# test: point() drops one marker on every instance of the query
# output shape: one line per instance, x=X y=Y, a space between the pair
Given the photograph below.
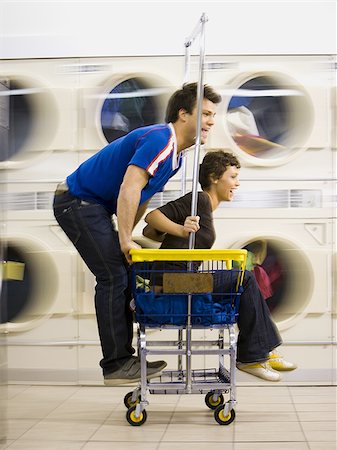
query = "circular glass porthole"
x=28 y=120
x=269 y=118
x=28 y=290
x=133 y=103
x=284 y=275
x=17 y=285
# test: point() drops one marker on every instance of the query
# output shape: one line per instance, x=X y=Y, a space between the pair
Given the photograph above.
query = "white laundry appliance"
x=289 y=230
x=118 y=94
x=38 y=110
x=39 y=294
x=334 y=116
x=276 y=113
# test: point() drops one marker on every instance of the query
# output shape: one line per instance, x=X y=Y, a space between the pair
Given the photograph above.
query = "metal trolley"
x=187 y=289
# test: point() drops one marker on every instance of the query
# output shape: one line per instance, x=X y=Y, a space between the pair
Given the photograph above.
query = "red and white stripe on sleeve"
x=162 y=156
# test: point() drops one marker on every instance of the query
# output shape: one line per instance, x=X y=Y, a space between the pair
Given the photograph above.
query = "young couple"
x=120 y=180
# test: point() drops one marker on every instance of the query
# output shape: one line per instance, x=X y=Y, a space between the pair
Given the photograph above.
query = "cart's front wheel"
x=211 y=403
x=221 y=418
x=128 y=402
x=133 y=419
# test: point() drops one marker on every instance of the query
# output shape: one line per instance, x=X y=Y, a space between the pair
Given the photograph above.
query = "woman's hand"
x=191 y=225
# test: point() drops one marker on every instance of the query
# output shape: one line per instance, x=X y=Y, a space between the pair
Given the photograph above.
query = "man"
x=121 y=179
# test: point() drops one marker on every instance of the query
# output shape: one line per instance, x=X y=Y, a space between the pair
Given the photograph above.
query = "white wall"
x=107 y=28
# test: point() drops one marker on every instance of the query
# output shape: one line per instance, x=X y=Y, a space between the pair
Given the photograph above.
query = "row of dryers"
x=276 y=113
x=50 y=319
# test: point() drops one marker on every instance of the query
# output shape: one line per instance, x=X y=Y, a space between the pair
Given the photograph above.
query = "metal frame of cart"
x=212 y=382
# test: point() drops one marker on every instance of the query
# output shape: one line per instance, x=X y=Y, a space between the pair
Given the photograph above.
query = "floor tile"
x=318 y=407
x=94 y=418
x=4 y=443
x=100 y=445
x=193 y=416
x=264 y=391
x=122 y=431
x=209 y=433
x=30 y=409
x=313 y=416
x=37 y=402
x=320 y=426
x=156 y=413
x=330 y=391
x=16 y=428
x=271 y=446
x=322 y=445
x=62 y=430
x=321 y=436
x=82 y=410
x=273 y=407
x=270 y=432
x=13 y=390
x=195 y=446
x=265 y=398
x=314 y=399
x=264 y=416
x=41 y=444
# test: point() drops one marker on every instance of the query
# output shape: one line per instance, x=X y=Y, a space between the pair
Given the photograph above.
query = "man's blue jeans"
x=90 y=228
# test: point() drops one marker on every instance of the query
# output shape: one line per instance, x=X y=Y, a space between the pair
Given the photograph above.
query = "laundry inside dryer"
x=283 y=276
x=131 y=104
x=29 y=284
x=269 y=116
x=17 y=285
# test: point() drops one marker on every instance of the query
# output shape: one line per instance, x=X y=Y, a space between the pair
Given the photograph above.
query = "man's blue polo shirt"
x=152 y=148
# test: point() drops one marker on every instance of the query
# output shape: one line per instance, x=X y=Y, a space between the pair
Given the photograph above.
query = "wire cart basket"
x=187 y=289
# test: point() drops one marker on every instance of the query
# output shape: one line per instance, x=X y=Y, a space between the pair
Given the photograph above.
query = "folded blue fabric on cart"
x=171 y=309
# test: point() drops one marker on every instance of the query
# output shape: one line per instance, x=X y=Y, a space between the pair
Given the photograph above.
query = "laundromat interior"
x=60 y=104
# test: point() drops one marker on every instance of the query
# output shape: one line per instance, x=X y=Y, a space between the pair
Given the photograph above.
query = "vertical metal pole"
x=183 y=176
x=187 y=61
x=186 y=76
x=183 y=184
x=194 y=202
x=200 y=97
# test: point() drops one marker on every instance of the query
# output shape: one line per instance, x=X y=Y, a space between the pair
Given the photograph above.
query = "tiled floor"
x=93 y=418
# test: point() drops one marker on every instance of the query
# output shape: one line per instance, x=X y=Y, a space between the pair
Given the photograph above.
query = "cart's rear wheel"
x=133 y=419
x=128 y=402
x=219 y=415
x=211 y=403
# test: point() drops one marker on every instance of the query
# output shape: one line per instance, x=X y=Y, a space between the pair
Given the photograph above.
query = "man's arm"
x=135 y=179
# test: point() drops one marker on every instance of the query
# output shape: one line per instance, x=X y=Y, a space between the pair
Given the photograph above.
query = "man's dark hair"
x=186 y=98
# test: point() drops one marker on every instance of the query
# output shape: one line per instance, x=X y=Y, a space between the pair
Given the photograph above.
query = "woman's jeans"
x=258 y=334
x=90 y=228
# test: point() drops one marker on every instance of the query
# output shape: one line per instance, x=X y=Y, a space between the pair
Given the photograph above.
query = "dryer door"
x=28 y=119
x=121 y=104
x=31 y=280
x=269 y=118
x=130 y=104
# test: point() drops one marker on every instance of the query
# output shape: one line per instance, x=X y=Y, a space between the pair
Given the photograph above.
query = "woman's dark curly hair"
x=214 y=165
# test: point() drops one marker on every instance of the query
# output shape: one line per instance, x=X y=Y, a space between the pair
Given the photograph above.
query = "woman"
x=172 y=223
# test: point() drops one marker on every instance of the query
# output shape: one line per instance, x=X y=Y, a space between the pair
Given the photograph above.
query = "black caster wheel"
x=132 y=419
x=219 y=415
x=128 y=400
x=211 y=403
